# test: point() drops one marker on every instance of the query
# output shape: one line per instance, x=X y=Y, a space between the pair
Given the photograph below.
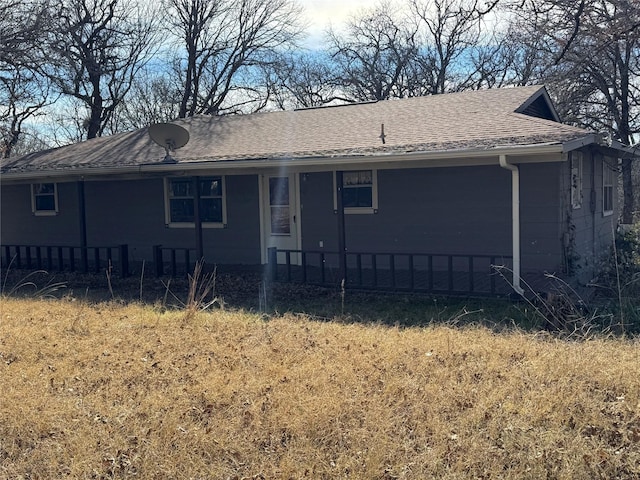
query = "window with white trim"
x=576 y=179
x=608 y=182
x=44 y=198
x=180 y=201
x=359 y=191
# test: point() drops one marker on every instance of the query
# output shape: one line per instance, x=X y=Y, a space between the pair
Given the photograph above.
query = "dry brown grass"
x=108 y=391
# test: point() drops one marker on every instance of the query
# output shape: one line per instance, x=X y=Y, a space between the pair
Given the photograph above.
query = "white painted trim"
x=264 y=211
x=515 y=221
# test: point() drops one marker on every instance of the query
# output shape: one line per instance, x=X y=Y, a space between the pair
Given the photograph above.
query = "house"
x=413 y=192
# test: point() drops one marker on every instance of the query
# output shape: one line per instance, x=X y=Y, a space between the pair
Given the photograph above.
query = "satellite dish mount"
x=169 y=136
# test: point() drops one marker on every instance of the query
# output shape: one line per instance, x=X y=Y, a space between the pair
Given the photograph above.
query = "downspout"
x=515 y=221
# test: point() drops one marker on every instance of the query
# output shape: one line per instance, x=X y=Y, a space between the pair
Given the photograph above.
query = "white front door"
x=281 y=215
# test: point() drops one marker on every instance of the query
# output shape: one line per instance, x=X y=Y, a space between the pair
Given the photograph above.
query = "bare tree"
x=22 y=22
x=449 y=30
x=23 y=90
x=97 y=49
x=373 y=57
x=153 y=98
x=223 y=48
x=304 y=80
x=595 y=45
x=24 y=94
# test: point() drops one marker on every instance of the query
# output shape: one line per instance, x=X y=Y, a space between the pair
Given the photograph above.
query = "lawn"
x=123 y=389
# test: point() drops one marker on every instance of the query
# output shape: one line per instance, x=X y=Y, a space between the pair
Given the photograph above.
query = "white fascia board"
x=464 y=157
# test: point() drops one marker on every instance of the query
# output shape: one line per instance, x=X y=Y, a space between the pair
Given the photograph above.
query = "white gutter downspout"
x=515 y=221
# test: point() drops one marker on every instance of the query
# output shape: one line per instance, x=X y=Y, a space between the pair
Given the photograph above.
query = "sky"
x=322 y=13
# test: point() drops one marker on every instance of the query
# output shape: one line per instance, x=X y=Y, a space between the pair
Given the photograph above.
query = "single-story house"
x=413 y=192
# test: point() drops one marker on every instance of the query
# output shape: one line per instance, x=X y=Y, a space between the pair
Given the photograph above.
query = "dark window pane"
x=181 y=210
x=280 y=224
x=181 y=188
x=350 y=197
x=211 y=187
x=45 y=202
x=357 y=197
x=44 y=188
x=279 y=191
x=211 y=210
x=608 y=199
x=364 y=197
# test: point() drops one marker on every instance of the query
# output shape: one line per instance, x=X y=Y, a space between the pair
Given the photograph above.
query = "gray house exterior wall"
x=540 y=213
x=431 y=210
x=132 y=212
x=453 y=210
x=461 y=210
x=588 y=231
x=21 y=226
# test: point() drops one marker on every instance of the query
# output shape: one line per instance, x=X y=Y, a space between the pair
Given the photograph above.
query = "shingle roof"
x=481 y=119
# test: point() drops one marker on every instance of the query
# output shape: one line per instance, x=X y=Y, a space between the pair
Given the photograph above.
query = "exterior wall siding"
x=465 y=210
x=133 y=213
x=21 y=226
x=590 y=232
x=457 y=210
x=541 y=231
x=461 y=210
x=435 y=210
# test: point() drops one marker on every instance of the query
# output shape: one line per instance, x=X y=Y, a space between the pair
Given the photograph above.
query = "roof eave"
x=471 y=154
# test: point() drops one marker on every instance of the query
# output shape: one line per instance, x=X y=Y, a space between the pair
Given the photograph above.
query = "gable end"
x=539 y=106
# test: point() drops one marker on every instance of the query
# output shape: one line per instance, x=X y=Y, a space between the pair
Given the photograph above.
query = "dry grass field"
x=108 y=390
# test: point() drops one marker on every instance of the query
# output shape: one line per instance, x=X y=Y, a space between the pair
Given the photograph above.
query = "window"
x=279 y=205
x=359 y=192
x=608 y=182
x=576 y=179
x=44 y=199
x=180 y=201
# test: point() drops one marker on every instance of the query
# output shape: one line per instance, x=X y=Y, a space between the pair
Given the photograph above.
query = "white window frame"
x=608 y=184
x=167 y=204
x=576 y=179
x=374 y=194
x=34 y=194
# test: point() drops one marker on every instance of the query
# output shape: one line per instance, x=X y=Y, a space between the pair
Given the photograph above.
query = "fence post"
x=124 y=261
x=157 y=259
x=84 y=258
x=272 y=263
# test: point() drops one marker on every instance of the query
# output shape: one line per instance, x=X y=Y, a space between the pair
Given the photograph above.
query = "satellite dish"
x=170 y=136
